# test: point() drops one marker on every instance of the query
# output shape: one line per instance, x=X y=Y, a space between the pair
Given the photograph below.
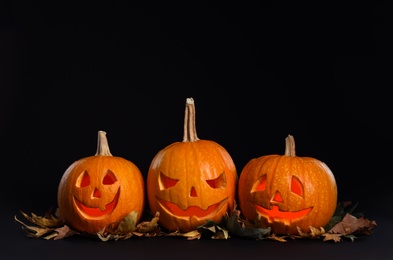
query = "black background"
x=257 y=72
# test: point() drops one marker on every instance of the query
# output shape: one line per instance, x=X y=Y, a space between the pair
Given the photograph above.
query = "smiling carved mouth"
x=191 y=210
x=275 y=214
x=97 y=212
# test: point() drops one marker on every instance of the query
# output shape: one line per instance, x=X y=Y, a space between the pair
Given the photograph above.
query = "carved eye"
x=260 y=184
x=219 y=182
x=166 y=182
x=83 y=180
x=109 y=178
x=296 y=186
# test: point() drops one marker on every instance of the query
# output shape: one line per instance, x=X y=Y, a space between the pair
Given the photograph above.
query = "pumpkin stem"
x=290 y=146
x=190 y=134
x=102 y=145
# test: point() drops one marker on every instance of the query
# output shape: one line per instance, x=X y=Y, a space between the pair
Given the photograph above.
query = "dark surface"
x=257 y=72
x=18 y=246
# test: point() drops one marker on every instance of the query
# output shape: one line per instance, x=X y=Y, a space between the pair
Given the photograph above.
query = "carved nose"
x=96 y=193
x=193 y=192
x=277 y=197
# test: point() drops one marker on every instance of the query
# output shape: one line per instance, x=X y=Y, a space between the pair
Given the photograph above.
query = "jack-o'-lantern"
x=286 y=192
x=192 y=181
x=100 y=190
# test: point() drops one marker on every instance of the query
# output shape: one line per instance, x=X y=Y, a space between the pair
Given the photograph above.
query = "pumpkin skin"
x=97 y=191
x=286 y=192
x=192 y=181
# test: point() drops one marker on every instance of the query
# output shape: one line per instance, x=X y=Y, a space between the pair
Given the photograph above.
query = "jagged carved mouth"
x=275 y=214
x=191 y=210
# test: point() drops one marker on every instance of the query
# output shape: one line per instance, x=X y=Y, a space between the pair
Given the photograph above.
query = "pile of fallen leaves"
x=344 y=224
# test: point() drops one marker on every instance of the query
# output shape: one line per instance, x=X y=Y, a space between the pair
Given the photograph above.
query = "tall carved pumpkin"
x=100 y=190
x=192 y=181
x=286 y=191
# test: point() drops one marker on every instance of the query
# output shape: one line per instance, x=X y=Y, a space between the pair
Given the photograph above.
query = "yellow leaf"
x=193 y=233
x=128 y=224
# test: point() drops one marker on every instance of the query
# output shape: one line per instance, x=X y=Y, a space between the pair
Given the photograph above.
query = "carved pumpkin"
x=100 y=190
x=192 y=181
x=286 y=191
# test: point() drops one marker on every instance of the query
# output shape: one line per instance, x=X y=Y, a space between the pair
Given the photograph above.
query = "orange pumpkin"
x=286 y=191
x=192 y=181
x=100 y=190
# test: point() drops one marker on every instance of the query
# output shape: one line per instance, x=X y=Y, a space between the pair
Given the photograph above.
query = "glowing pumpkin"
x=286 y=191
x=192 y=181
x=100 y=190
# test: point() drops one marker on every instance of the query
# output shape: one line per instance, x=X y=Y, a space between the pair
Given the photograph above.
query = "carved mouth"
x=191 y=210
x=97 y=212
x=275 y=214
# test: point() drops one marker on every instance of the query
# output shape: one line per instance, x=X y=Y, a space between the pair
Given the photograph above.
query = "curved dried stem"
x=290 y=146
x=102 y=145
x=190 y=134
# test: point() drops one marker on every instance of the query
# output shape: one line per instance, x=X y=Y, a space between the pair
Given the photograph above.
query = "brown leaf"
x=191 y=235
x=63 y=232
x=314 y=232
x=147 y=226
x=33 y=231
x=277 y=238
x=352 y=225
x=335 y=237
x=48 y=221
x=128 y=228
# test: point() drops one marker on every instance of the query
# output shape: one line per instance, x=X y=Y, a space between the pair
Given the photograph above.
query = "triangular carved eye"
x=109 y=178
x=296 y=186
x=218 y=183
x=83 y=180
x=260 y=184
x=167 y=182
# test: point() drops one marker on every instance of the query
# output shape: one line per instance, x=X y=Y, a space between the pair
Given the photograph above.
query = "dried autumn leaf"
x=147 y=226
x=214 y=230
x=221 y=233
x=128 y=223
x=242 y=228
x=352 y=225
x=192 y=235
x=47 y=227
x=63 y=232
x=335 y=237
x=128 y=227
x=52 y=235
x=277 y=238
x=210 y=228
x=314 y=232
x=343 y=208
x=33 y=231
x=48 y=221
